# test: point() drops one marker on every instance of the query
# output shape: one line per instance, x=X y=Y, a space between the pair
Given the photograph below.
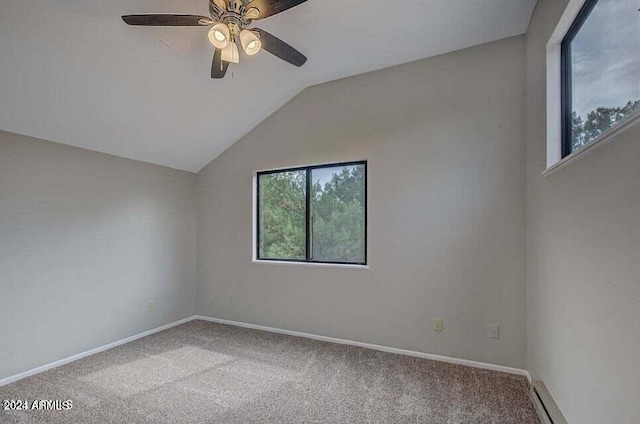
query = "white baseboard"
x=55 y=364
x=440 y=358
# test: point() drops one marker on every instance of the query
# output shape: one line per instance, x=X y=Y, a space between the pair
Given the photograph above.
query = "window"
x=313 y=214
x=600 y=66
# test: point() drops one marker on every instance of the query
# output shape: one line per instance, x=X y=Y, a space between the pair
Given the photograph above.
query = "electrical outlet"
x=150 y=306
x=494 y=332
x=232 y=300
x=437 y=324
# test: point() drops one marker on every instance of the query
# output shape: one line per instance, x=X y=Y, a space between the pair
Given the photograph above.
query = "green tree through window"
x=597 y=122
x=283 y=215
x=338 y=215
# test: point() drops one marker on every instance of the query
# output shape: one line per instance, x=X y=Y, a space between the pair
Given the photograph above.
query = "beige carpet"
x=202 y=372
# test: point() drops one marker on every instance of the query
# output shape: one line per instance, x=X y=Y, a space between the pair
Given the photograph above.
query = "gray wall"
x=86 y=239
x=583 y=262
x=444 y=141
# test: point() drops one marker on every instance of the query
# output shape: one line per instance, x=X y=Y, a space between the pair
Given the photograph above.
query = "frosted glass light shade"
x=219 y=36
x=250 y=42
x=231 y=53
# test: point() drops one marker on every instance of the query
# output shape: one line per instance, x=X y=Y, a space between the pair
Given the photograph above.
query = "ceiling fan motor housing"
x=234 y=15
x=236 y=6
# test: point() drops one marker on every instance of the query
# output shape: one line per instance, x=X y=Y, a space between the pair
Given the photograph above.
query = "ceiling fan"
x=228 y=24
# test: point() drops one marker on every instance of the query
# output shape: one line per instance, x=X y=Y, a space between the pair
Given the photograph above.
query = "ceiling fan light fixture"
x=219 y=36
x=250 y=42
x=231 y=53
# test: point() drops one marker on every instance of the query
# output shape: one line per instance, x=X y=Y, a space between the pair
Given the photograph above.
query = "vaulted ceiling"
x=72 y=72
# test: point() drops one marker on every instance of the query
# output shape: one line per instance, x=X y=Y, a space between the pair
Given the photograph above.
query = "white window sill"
x=311 y=264
x=604 y=138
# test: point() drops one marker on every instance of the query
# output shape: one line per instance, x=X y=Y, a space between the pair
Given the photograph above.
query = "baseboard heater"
x=545 y=406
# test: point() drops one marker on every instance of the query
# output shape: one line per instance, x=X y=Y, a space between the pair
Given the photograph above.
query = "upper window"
x=313 y=214
x=600 y=71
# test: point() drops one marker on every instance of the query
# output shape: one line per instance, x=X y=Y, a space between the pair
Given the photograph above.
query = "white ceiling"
x=72 y=72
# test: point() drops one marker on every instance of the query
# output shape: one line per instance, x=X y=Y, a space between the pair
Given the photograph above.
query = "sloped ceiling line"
x=74 y=73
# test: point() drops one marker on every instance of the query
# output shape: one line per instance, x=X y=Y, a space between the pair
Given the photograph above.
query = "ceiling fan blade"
x=279 y=48
x=219 y=66
x=167 y=20
x=272 y=7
